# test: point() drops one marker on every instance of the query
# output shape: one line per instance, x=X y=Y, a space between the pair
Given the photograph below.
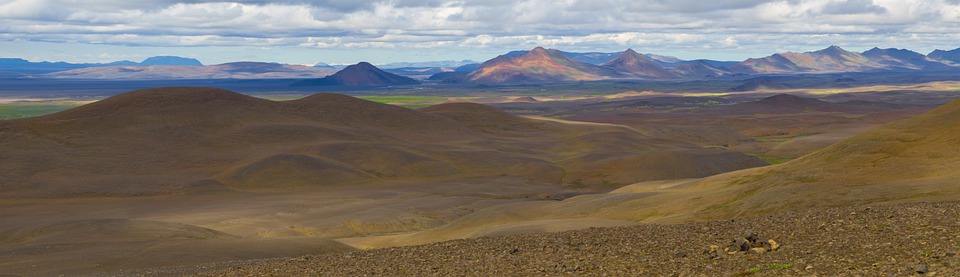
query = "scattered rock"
x=750 y=242
x=774 y=246
x=922 y=269
x=743 y=244
x=713 y=252
x=751 y=237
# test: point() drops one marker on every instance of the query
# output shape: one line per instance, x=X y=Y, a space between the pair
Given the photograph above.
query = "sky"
x=349 y=31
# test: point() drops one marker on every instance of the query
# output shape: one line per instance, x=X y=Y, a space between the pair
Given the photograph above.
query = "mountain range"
x=15 y=65
x=631 y=64
x=237 y=70
x=538 y=65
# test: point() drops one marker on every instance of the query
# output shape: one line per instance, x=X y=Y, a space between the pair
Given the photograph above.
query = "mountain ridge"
x=360 y=74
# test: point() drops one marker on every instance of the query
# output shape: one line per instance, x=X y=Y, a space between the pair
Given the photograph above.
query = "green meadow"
x=14 y=111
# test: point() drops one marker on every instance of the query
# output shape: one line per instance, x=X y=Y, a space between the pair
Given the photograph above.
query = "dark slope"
x=361 y=74
x=183 y=139
x=952 y=56
x=902 y=59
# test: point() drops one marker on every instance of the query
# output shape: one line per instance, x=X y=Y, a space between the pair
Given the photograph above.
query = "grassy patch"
x=781 y=138
x=15 y=111
x=400 y=99
x=415 y=106
x=773 y=160
x=773 y=139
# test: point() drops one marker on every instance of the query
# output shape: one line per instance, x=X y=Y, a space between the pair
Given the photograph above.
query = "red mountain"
x=538 y=65
x=633 y=63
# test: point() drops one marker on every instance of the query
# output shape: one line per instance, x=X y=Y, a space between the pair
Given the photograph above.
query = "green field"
x=14 y=111
x=408 y=101
x=400 y=99
x=773 y=160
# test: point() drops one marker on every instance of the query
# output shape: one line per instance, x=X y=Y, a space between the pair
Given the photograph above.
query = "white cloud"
x=687 y=25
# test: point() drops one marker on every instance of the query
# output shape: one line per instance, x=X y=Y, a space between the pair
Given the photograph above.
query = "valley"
x=219 y=176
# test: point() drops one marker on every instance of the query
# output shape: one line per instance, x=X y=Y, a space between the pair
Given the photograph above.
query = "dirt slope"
x=182 y=140
x=897 y=240
x=905 y=161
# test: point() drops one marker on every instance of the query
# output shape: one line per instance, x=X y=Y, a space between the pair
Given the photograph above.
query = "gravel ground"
x=892 y=240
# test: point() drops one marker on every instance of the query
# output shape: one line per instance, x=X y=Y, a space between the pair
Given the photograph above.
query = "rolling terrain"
x=190 y=176
x=186 y=137
x=216 y=174
x=910 y=160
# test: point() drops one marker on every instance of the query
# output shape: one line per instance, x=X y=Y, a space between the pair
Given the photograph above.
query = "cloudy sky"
x=347 y=31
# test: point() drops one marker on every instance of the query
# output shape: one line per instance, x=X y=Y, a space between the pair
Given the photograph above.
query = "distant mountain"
x=237 y=70
x=699 y=69
x=831 y=59
x=946 y=56
x=467 y=68
x=667 y=62
x=664 y=59
x=361 y=74
x=902 y=59
x=418 y=72
x=171 y=60
x=713 y=63
x=322 y=65
x=538 y=65
x=14 y=65
x=639 y=65
x=449 y=77
x=595 y=58
x=599 y=58
x=450 y=64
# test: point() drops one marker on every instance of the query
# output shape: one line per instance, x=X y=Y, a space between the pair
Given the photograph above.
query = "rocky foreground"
x=888 y=240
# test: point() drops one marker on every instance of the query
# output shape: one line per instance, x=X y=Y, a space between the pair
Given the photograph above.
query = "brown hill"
x=361 y=74
x=78 y=247
x=905 y=161
x=791 y=104
x=639 y=65
x=538 y=65
x=177 y=140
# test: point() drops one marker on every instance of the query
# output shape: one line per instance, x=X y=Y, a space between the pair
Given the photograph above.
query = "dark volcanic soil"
x=895 y=240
